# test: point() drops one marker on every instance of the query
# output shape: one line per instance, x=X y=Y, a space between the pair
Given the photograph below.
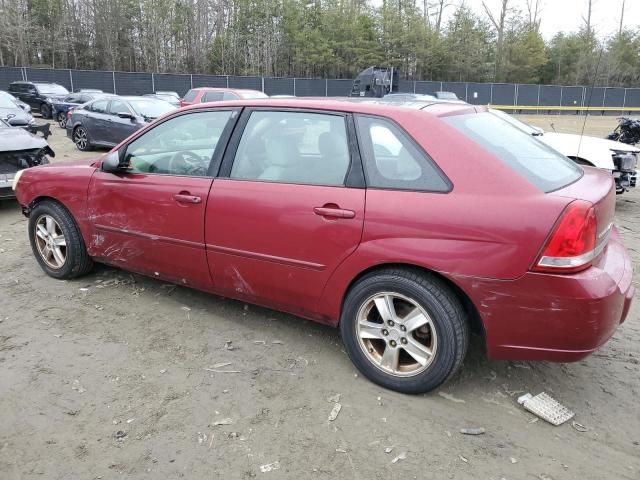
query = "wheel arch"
x=475 y=321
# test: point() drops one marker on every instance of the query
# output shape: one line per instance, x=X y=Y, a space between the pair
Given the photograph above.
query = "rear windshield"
x=190 y=96
x=539 y=164
x=52 y=89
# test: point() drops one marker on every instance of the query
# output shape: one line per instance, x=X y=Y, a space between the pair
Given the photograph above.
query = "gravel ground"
x=119 y=376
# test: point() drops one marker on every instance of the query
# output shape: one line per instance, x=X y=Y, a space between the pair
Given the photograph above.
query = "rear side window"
x=545 y=168
x=190 y=96
x=99 y=106
x=212 y=97
x=118 y=106
x=393 y=161
x=229 y=96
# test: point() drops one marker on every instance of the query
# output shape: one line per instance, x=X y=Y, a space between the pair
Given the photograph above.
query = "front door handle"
x=334 y=212
x=186 y=198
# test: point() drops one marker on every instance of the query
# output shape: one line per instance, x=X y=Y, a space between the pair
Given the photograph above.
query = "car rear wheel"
x=62 y=120
x=404 y=330
x=56 y=241
x=81 y=139
x=45 y=110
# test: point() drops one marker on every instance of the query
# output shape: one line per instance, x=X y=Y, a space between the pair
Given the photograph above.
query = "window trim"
x=354 y=177
x=218 y=152
x=425 y=156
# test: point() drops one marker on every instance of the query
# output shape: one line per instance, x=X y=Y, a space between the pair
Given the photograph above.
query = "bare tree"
x=621 y=18
x=534 y=9
x=499 y=24
x=587 y=19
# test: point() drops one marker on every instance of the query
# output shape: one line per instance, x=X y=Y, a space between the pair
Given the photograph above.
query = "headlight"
x=17 y=176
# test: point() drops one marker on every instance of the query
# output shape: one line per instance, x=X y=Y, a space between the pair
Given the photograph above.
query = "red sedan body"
x=298 y=247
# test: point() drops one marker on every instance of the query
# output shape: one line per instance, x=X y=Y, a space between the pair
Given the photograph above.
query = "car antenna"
x=593 y=85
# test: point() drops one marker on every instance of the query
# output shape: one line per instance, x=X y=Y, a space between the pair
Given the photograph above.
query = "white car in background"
x=618 y=158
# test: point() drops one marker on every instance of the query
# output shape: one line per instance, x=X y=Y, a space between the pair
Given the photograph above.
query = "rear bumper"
x=560 y=318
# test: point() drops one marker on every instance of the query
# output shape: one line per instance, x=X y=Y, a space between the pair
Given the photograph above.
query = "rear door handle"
x=334 y=212
x=186 y=198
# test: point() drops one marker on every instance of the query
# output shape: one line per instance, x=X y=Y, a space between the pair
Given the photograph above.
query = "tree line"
x=426 y=39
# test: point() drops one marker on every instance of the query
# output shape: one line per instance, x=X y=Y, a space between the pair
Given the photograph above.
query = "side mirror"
x=111 y=162
x=126 y=115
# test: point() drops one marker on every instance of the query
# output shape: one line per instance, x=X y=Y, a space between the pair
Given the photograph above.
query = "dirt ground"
x=119 y=376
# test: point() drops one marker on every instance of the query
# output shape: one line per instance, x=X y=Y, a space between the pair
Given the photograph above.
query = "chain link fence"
x=514 y=97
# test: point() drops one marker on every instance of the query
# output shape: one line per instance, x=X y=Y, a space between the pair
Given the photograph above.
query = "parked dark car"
x=38 y=95
x=11 y=112
x=206 y=94
x=107 y=121
x=20 y=103
x=60 y=108
x=19 y=149
x=167 y=97
x=407 y=228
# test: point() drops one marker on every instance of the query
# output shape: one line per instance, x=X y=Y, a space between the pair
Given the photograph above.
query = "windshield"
x=7 y=102
x=150 y=107
x=253 y=94
x=515 y=122
x=539 y=164
x=52 y=89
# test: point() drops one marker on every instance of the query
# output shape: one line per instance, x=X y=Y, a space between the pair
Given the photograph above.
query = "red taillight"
x=572 y=244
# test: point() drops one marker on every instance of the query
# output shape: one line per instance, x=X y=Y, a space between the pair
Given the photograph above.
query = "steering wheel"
x=187 y=163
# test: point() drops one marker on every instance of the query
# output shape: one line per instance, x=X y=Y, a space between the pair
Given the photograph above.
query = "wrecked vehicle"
x=19 y=149
x=357 y=215
x=13 y=114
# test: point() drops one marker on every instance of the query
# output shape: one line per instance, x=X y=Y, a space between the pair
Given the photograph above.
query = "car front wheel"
x=81 y=139
x=56 y=241
x=404 y=329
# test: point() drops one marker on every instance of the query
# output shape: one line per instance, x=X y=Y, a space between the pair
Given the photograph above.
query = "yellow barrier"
x=565 y=108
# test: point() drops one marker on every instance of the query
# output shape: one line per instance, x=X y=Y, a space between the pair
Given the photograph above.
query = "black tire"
x=62 y=120
x=77 y=261
x=81 y=139
x=448 y=317
x=45 y=110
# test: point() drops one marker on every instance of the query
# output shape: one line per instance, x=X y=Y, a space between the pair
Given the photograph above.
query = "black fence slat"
x=61 y=77
x=310 y=87
x=130 y=83
x=503 y=94
x=278 y=86
x=250 y=83
x=479 y=93
x=339 y=87
x=594 y=97
x=550 y=95
x=172 y=82
x=405 y=86
x=8 y=75
x=613 y=97
x=459 y=88
x=632 y=97
x=427 y=87
x=218 y=81
x=527 y=94
x=92 y=79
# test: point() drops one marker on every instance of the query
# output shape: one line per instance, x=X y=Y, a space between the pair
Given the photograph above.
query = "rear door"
x=150 y=218
x=95 y=121
x=287 y=208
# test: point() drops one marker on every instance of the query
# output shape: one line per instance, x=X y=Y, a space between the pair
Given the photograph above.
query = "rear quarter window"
x=541 y=165
x=190 y=96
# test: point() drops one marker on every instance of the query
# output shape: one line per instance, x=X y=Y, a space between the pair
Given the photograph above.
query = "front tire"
x=404 y=329
x=81 y=139
x=56 y=241
x=45 y=110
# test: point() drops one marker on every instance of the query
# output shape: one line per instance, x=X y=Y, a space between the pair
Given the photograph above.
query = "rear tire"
x=62 y=120
x=395 y=354
x=52 y=227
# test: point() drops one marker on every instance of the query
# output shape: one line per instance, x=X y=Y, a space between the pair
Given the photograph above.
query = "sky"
x=566 y=15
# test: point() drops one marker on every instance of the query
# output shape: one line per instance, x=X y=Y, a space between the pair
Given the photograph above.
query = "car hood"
x=20 y=117
x=16 y=139
x=596 y=151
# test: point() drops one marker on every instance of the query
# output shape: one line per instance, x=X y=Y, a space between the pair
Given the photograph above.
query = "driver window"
x=100 y=106
x=183 y=145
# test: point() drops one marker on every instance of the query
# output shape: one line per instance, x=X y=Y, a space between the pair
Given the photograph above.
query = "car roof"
x=223 y=89
x=373 y=106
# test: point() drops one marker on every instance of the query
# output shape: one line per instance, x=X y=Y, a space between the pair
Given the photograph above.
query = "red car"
x=407 y=227
x=207 y=94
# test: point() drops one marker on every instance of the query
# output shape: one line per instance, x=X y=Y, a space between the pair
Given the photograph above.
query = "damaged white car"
x=19 y=149
x=618 y=158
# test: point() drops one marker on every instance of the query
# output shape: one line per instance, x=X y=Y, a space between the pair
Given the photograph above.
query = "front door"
x=150 y=218
x=287 y=212
x=119 y=128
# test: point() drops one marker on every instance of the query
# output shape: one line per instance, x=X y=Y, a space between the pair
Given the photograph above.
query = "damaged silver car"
x=19 y=149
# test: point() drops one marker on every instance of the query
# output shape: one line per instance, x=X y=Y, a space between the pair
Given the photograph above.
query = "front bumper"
x=555 y=317
x=5 y=185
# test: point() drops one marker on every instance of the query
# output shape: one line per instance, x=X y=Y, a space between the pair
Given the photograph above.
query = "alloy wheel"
x=80 y=138
x=50 y=241
x=396 y=334
x=62 y=120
